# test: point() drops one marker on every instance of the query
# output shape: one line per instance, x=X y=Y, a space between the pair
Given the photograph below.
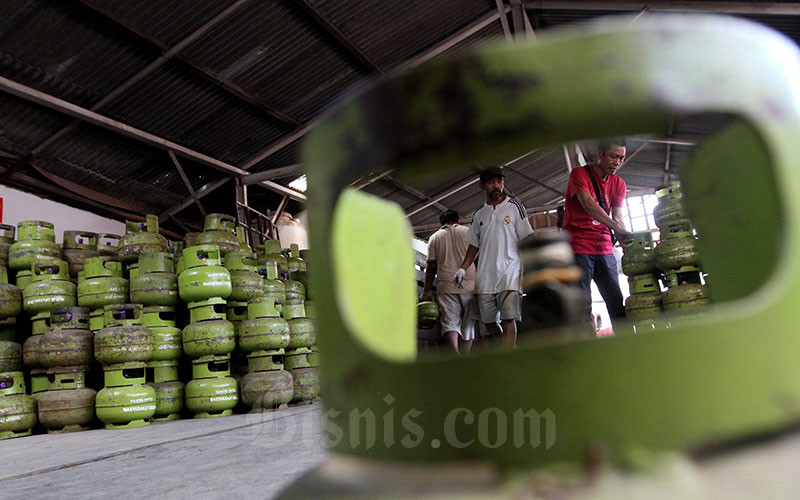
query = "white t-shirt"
x=497 y=232
x=447 y=247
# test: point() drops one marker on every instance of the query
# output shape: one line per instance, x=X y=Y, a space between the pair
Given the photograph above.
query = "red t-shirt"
x=588 y=235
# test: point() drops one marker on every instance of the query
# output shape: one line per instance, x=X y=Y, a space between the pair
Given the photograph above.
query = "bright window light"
x=299 y=184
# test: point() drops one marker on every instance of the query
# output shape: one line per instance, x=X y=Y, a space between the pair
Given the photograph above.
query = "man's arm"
x=430 y=274
x=624 y=238
x=598 y=214
x=469 y=258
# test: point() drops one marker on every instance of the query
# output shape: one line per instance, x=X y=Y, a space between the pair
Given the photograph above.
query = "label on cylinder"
x=223 y=398
x=139 y=408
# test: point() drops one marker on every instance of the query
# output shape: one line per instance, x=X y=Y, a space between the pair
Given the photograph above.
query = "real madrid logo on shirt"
x=507 y=219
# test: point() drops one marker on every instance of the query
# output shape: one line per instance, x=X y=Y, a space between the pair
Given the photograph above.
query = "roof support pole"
x=280 y=209
x=186 y=182
x=501 y=9
x=421 y=58
x=416 y=192
x=336 y=33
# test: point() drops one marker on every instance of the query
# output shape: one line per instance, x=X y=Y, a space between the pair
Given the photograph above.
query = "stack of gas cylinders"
x=122 y=331
x=666 y=277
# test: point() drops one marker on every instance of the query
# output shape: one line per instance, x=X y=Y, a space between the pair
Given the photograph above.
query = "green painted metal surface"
x=731 y=374
x=203 y=276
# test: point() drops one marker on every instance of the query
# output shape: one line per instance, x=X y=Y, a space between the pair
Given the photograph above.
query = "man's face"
x=611 y=160
x=493 y=188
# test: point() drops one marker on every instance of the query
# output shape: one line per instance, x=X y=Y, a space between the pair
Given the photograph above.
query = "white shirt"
x=447 y=247
x=497 y=232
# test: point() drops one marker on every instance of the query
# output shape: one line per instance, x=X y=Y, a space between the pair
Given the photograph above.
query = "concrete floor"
x=243 y=456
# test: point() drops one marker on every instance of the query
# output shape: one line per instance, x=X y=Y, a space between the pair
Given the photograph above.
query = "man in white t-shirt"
x=496 y=230
x=446 y=250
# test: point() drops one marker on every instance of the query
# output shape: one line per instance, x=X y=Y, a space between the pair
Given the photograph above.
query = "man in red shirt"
x=590 y=221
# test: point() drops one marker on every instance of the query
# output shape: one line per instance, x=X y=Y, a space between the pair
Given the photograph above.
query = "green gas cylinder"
x=17 y=410
x=6 y=240
x=190 y=240
x=10 y=356
x=427 y=314
x=294 y=290
x=678 y=246
x=209 y=332
x=670 y=205
x=242 y=238
x=643 y=306
x=36 y=241
x=686 y=298
x=270 y=252
x=266 y=390
x=8 y=329
x=219 y=230
x=301 y=329
x=108 y=244
x=156 y=282
x=264 y=329
x=141 y=237
x=40 y=381
x=169 y=390
x=96 y=319
x=23 y=278
x=203 y=276
x=212 y=392
x=294 y=263
x=236 y=312
x=68 y=406
x=161 y=321
x=125 y=402
x=264 y=361
x=245 y=281
x=311 y=309
x=123 y=339
x=296 y=358
x=40 y=325
x=10 y=297
x=69 y=342
x=273 y=287
x=176 y=248
x=78 y=245
x=639 y=257
x=313 y=356
x=101 y=283
x=50 y=287
x=305 y=383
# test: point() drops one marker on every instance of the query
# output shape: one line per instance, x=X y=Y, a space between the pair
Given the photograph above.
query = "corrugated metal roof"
x=66 y=52
x=189 y=110
x=24 y=126
x=213 y=97
x=391 y=32
x=269 y=48
x=168 y=21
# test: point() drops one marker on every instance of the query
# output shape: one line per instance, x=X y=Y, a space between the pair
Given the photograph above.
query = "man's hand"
x=425 y=297
x=459 y=277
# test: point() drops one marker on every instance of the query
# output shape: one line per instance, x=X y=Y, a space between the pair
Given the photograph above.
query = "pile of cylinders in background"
x=673 y=263
x=121 y=331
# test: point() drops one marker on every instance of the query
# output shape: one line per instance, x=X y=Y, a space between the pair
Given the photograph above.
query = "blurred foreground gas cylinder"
x=553 y=297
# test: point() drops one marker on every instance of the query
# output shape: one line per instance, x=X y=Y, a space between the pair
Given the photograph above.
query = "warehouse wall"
x=20 y=206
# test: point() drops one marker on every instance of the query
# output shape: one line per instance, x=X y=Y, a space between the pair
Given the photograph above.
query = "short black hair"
x=490 y=173
x=448 y=216
x=606 y=143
